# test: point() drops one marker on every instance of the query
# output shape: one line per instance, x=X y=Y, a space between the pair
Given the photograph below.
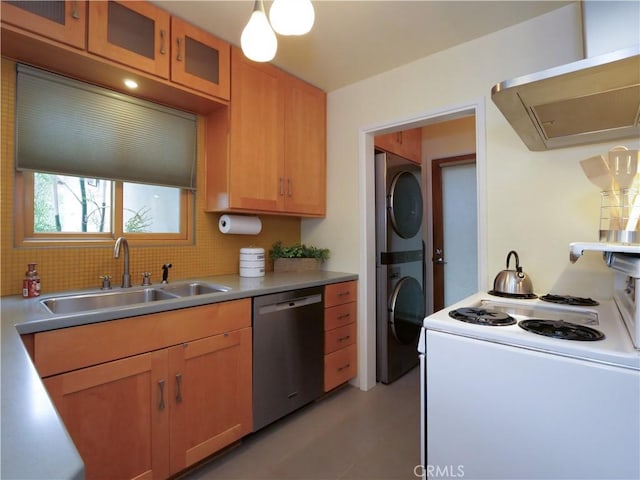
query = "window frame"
x=26 y=237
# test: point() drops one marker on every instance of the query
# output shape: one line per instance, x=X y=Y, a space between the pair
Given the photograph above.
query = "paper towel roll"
x=240 y=224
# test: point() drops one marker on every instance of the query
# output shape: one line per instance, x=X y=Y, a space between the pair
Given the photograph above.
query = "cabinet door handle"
x=161 y=387
x=281 y=185
x=179 y=54
x=289 y=186
x=163 y=38
x=179 y=386
x=75 y=13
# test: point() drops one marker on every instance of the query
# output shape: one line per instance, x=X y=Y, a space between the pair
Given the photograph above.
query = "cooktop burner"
x=482 y=316
x=525 y=296
x=561 y=330
x=569 y=300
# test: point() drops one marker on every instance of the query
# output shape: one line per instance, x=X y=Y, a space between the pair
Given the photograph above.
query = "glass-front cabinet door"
x=132 y=33
x=199 y=60
x=62 y=21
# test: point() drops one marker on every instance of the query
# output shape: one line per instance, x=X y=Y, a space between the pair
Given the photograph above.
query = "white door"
x=455 y=242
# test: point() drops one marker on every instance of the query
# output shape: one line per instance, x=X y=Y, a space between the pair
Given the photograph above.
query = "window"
x=63 y=204
x=67 y=209
x=93 y=165
x=150 y=209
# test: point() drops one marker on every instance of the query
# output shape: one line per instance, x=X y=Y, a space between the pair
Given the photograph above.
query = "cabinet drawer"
x=339 y=293
x=339 y=367
x=339 y=338
x=66 y=349
x=340 y=315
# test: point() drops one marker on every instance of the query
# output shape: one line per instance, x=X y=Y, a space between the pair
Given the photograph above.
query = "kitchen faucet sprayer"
x=165 y=272
x=126 y=278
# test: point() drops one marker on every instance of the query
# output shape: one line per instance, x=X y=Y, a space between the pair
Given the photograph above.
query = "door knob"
x=438 y=257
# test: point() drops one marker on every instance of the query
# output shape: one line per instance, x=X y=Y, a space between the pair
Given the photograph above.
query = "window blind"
x=69 y=127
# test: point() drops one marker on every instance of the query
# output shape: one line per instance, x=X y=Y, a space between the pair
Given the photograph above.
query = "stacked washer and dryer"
x=400 y=266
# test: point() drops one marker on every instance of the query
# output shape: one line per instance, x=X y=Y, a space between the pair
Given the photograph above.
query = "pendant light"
x=292 y=17
x=258 y=41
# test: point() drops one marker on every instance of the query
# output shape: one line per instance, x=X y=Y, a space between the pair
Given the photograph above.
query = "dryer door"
x=405 y=204
x=406 y=310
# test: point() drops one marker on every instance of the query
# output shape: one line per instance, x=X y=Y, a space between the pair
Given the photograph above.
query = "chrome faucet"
x=126 y=278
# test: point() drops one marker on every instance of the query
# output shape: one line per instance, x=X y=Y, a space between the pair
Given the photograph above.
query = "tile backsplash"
x=68 y=268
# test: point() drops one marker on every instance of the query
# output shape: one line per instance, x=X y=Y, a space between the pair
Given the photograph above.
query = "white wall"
x=536 y=202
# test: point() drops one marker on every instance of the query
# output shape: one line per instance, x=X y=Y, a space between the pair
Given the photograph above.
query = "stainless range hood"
x=589 y=101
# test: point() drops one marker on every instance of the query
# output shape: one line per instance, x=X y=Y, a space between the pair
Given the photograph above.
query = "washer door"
x=405 y=204
x=406 y=310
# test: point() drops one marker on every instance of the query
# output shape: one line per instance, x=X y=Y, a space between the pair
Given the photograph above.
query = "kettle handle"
x=514 y=253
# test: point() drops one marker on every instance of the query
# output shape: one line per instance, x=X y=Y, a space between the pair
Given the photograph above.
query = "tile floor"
x=348 y=435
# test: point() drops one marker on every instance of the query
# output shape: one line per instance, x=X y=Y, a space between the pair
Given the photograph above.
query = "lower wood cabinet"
x=152 y=414
x=117 y=414
x=211 y=395
x=340 y=367
x=340 y=334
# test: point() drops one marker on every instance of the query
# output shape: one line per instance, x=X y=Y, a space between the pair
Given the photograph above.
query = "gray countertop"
x=35 y=444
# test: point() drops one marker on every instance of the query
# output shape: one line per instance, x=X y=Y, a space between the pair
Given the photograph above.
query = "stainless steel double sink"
x=66 y=304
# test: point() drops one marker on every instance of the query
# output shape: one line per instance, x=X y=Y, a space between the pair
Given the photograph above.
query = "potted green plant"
x=297 y=258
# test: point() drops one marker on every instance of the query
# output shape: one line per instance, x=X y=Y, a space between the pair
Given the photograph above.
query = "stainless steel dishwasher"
x=288 y=349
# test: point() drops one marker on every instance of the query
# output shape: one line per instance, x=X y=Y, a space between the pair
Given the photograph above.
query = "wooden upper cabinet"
x=62 y=21
x=305 y=148
x=199 y=60
x=256 y=169
x=136 y=34
x=387 y=142
x=276 y=161
x=407 y=144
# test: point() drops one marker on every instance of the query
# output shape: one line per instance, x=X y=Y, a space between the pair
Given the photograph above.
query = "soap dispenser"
x=31 y=282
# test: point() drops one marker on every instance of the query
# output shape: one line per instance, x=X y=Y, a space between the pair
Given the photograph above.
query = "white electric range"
x=506 y=401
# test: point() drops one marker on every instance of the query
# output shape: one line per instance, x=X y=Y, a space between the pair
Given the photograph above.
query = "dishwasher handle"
x=290 y=304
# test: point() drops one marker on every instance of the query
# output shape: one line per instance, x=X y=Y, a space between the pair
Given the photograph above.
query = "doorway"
x=366 y=378
x=455 y=239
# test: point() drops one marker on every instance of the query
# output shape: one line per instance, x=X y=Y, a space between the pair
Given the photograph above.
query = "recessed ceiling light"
x=131 y=83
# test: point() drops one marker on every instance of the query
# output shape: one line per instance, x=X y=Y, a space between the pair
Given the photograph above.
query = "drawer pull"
x=163 y=35
x=179 y=55
x=179 y=387
x=346 y=337
x=344 y=367
x=344 y=294
x=342 y=317
x=161 y=386
x=75 y=14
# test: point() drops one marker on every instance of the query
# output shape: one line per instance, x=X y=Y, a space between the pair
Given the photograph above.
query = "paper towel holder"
x=240 y=224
